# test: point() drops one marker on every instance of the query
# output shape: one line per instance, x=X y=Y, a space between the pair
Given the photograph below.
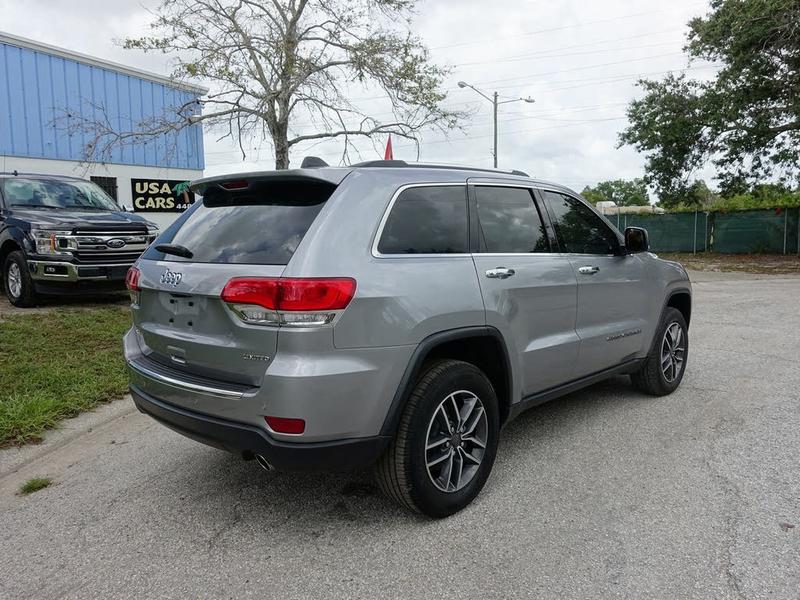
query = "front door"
x=612 y=298
x=530 y=292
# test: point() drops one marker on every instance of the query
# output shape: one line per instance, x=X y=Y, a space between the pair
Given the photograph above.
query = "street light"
x=495 y=103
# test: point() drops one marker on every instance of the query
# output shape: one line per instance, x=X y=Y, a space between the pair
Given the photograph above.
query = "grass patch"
x=34 y=485
x=57 y=364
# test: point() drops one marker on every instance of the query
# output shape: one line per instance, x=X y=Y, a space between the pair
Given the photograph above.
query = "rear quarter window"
x=427 y=220
x=263 y=224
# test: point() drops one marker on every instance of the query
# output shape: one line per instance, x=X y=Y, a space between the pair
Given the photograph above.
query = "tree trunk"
x=280 y=136
x=281 y=154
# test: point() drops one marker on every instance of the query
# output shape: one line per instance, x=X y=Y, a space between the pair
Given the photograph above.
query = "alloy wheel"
x=673 y=352
x=456 y=441
x=14 y=280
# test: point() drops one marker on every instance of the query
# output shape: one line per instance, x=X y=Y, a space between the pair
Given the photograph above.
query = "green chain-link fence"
x=748 y=231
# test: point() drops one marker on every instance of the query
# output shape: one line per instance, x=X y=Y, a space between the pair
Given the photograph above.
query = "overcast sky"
x=579 y=61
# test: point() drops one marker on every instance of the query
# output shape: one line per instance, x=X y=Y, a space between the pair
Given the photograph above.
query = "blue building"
x=42 y=87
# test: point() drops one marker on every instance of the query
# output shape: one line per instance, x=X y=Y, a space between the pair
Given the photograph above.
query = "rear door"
x=529 y=291
x=612 y=298
x=250 y=230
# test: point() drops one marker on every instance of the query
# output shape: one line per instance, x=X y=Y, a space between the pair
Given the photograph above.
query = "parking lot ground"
x=603 y=494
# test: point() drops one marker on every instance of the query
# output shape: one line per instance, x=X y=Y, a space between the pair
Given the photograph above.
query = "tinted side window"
x=579 y=230
x=509 y=221
x=427 y=220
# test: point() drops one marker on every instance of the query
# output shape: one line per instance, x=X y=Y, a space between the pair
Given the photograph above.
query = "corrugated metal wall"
x=36 y=88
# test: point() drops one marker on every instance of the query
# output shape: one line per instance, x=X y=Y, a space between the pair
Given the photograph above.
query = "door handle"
x=500 y=273
x=588 y=270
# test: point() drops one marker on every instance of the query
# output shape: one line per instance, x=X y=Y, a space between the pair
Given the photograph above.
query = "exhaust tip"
x=264 y=463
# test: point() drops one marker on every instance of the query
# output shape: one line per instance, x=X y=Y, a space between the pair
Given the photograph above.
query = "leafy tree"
x=746 y=120
x=620 y=191
x=274 y=64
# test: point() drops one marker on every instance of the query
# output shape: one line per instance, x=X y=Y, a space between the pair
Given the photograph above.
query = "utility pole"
x=494 y=99
x=495 y=129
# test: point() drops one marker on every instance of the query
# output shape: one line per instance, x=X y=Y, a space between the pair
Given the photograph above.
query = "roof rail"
x=402 y=163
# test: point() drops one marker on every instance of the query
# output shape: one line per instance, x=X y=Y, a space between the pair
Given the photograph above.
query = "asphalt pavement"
x=603 y=494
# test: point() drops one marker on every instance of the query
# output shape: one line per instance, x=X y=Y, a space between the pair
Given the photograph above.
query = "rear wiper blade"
x=175 y=249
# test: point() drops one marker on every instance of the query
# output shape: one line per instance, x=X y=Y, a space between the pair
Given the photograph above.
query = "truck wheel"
x=17 y=281
x=663 y=370
x=446 y=442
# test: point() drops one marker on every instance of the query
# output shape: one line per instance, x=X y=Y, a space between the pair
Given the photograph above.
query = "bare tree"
x=274 y=64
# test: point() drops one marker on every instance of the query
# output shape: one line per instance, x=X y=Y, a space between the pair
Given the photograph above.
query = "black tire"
x=27 y=295
x=402 y=472
x=651 y=378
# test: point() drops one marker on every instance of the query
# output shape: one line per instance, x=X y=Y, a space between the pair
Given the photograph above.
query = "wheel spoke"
x=474 y=440
x=457 y=424
x=678 y=337
x=668 y=368
x=447 y=471
x=441 y=458
x=467 y=409
x=469 y=456
x=470 y=427
x=459 y=460
x=445 y=420
x=436 y=442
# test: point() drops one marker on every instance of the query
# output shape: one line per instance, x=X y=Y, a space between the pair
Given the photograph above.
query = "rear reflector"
x=291 y=294
x=284 y=425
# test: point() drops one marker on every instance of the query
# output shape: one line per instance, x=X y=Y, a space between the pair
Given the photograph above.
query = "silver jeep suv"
x=392 y=314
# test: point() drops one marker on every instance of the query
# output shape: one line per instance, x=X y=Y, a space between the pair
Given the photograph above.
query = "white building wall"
x=123 y=173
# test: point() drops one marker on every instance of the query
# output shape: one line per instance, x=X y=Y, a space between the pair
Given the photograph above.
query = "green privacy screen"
x=755 y=231
x=672 y=232
x=747 y=231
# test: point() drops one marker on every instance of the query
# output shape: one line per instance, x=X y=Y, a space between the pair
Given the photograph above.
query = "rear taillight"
x=132 y=283
x=292 y=301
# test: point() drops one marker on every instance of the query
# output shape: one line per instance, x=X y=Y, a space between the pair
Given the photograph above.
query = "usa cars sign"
x=160 y=195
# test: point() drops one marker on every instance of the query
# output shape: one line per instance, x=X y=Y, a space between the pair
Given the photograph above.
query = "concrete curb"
x=14 y=459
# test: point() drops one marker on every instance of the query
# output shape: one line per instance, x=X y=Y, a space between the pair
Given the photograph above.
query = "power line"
x=552 y=29
x=582 y=68
x=549 y=53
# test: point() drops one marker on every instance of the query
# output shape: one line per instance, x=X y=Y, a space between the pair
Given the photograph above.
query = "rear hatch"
x=242 y=228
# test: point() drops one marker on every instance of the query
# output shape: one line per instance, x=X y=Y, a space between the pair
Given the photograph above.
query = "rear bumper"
x=239 y=438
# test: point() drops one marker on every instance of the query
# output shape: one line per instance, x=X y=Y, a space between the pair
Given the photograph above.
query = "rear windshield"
x=261 y=225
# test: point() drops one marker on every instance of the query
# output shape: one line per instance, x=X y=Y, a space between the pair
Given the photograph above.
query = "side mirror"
x=636 y=240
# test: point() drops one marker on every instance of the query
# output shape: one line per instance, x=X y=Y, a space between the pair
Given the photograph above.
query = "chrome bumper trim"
x=182 y=384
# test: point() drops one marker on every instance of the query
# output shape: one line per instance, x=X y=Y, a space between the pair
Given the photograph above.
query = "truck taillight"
x=132 y=283
x=291 y=301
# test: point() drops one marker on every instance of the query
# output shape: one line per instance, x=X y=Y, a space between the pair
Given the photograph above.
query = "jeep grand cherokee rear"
x=393 y=315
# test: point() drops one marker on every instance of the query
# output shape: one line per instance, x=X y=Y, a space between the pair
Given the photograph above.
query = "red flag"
x=389 y=155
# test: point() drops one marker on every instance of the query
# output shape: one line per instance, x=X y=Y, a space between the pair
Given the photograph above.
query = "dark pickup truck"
x=64 y=235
